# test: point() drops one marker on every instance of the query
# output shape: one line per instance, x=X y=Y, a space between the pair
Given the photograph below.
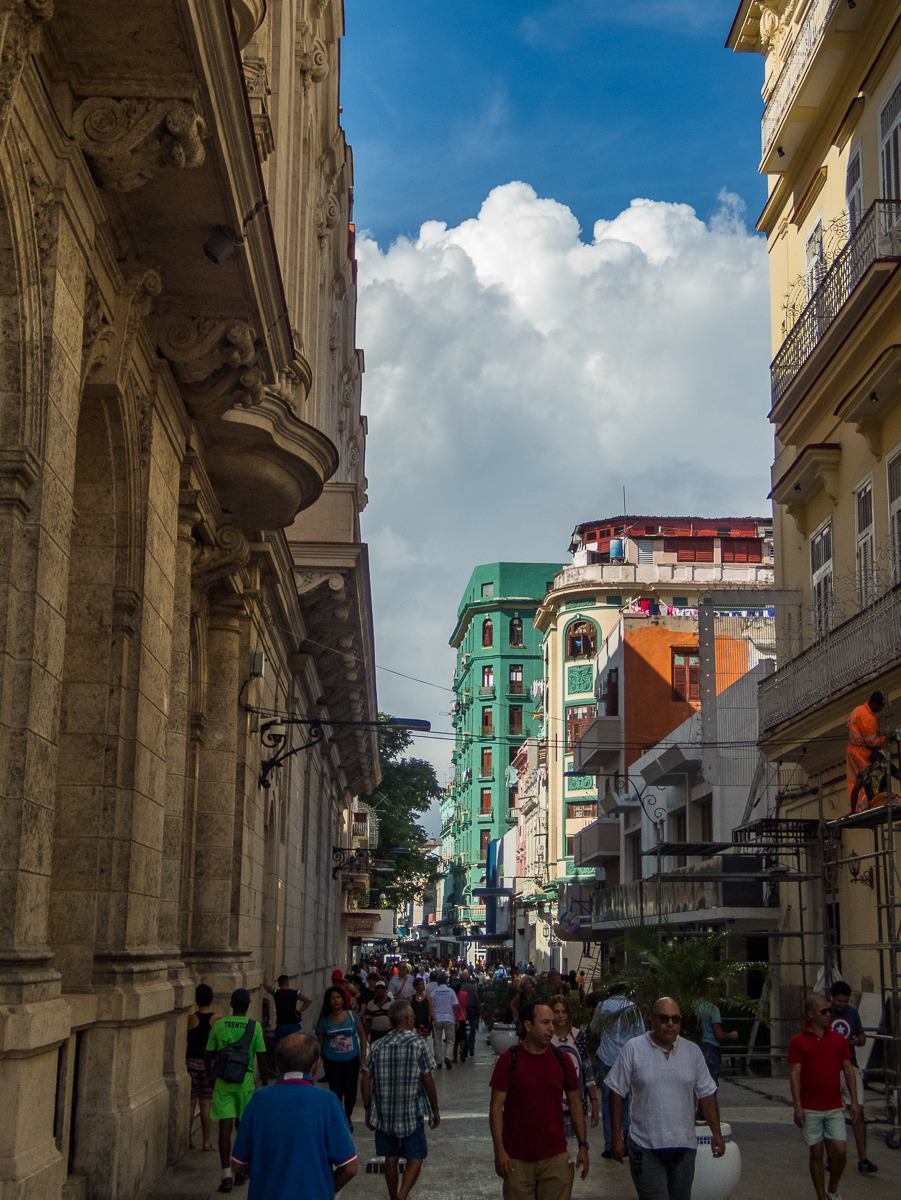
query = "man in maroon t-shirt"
x=817 y=1056
x=527 y=1113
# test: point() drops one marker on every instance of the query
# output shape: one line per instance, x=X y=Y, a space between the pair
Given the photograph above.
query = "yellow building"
x=831 y=150
x=181 y=476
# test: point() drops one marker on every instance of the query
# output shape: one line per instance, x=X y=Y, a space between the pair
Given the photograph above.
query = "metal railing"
x=806 y=44
x=877 y=236
x=868 y=642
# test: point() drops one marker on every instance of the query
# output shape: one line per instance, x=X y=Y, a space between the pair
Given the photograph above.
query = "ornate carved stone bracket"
x=312 y=58
x=108 y=338
x=214 y=361
x=256 y=77
x=305 y=581
x=127 y=142
x=229 y=553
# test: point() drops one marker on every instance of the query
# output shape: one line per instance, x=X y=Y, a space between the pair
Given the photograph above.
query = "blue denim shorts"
x=414 y=1145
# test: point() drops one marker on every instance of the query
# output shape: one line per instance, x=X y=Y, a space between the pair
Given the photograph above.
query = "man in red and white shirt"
x=817 y=1056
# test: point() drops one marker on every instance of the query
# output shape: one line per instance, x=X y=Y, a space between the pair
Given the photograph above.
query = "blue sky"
x=560 y=291
x=593 y=102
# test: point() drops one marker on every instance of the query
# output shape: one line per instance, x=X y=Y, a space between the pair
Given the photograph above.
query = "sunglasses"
x=665 y=1019
x=824 y=1011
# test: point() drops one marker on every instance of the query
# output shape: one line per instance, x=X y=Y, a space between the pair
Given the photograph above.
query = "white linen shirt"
x=443 y=1001
x=664 y=1091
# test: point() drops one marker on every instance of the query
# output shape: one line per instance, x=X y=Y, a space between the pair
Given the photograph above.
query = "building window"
x=484 y=839
x=645 y=552
x=486 y=802
x=814 y=260
x=486 y=762
x=742 y=550
x=821 y=579
x=487 y=721
x=516 y=719
x=854 y=192
x=570 y=847
x=894 y=514
x=578 y=718
x=690 y=549
x=705 y=815
x=487 y=677
x=487 y=589
x=487 y=634
x=890 y=146
x=512 y=797
x=635 y=861
x=686 y=674
x=679 y=824
x=581 y=640
x=866 y=589
x=515 y=683
x=516 y=631
x=611 y=693
x=583 y=811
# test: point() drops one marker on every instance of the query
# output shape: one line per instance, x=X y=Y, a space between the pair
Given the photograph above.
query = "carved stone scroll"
x=214 y=361
x=127 y=142
x=229 y=553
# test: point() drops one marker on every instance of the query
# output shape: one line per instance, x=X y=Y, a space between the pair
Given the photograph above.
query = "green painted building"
x=499 y=657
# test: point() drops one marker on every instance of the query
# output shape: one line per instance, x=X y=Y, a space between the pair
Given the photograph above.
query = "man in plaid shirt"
x=398 y=1091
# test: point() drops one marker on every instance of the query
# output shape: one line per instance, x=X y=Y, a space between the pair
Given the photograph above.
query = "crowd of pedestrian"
x=385 y=1028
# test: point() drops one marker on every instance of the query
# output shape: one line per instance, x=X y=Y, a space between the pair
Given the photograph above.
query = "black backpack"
x=232 y=1062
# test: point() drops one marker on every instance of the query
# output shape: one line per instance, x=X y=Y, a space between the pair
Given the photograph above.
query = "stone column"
x=213 y=917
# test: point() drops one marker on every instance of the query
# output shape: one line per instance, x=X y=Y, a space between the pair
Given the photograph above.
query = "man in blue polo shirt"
x=315 y=1165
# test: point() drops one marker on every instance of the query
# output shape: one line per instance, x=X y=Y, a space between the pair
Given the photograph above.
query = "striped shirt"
x=397 y=1064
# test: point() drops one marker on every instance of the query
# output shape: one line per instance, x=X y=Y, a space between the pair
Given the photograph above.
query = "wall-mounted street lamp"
x=274 y=736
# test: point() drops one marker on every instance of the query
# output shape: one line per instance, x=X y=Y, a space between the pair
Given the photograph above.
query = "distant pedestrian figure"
x=443 y=1000
x=230 y=1098
x=398 y=1093
x=343 y=1041
x=863 y=736
x=665 y=1075
x=616 y=1021
x=315 y=1165
x=846 y=1021
x=817 y=1057
x=202 y=1082
x=290 y=1005
x=526 y=1115
x=375 y=1013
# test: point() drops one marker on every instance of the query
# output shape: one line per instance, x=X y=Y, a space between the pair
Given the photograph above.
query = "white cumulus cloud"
x=518 y=375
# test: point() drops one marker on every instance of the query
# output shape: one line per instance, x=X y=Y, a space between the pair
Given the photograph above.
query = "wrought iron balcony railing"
x=878 y=236
x=806 y=44
x=851 y=652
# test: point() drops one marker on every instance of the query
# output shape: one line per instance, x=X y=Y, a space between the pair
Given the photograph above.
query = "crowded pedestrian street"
x=460 y=1163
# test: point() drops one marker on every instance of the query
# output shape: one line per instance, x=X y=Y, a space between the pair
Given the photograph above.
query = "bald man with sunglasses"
x=666 y=1076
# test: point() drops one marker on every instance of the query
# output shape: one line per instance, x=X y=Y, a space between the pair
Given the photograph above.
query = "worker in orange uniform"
x=863 y=736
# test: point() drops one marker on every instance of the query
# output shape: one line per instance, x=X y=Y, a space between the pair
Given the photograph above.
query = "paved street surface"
x=461 y=1162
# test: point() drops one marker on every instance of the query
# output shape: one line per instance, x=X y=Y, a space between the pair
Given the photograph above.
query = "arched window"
x=516 y=631
x=581 y=640
x=487 y=633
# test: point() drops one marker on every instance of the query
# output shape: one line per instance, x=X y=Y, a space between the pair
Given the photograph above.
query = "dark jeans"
x=342 y=1079
x=662 y=1174
x=472 y=1022
x=461 y=1041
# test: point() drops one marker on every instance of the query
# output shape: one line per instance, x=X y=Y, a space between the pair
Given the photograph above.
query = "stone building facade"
x=181 y=477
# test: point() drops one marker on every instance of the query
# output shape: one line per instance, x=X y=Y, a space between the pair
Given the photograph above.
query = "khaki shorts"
x=846 y=1093
x=547 y=1179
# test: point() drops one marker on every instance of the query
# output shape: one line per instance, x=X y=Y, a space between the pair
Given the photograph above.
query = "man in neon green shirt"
x=230 y=1099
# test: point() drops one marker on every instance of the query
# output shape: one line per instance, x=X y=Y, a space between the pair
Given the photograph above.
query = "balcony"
x=597 y=751
x=819 y=50
x=515 y=688
x=486 y=691
x=597 y=841
x=514 y=729
x=487 y=731
x=675 y=577
x=849 y=654
x=512 y=815
x=689 y=894
x=859 y=272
